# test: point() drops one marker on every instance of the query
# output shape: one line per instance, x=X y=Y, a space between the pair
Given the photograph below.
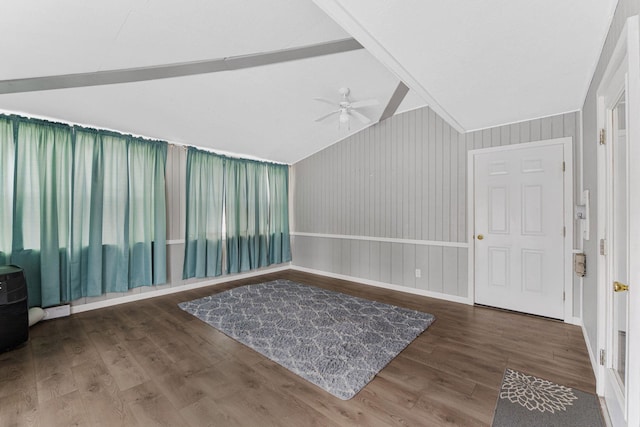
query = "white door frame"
x=567 y=145
x=623 y=71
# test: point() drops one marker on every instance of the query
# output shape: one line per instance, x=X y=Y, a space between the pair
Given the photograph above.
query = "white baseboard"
x=422 y=292
x=166 y=291
x=592 y=357
x=573 y=321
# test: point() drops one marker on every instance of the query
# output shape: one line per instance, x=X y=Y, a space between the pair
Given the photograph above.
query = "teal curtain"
x=257 y=214
x=204 y=214
x=88 y=209
x=147 y=213
x=237 y=215
x=42 y=207
x=279 y=239
x=7 y=161
x=119 y=227
x=247 y=215
x=242 y=202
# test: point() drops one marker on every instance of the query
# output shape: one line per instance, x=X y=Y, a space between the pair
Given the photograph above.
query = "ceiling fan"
x=347 y=108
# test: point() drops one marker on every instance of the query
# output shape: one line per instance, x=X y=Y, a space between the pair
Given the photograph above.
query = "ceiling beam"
x=129 y=75
x=395 y=101
x=339 y=13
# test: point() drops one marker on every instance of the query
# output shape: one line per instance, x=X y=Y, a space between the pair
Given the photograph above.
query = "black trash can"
x=14 y=309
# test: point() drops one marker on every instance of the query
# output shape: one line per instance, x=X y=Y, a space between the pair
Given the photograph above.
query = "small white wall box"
x=580 y=264
x=57 y=311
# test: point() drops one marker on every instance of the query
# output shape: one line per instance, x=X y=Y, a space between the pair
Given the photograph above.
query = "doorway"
x=618 y=211
x=521 y=203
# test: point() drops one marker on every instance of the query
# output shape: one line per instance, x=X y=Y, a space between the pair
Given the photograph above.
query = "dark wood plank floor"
x=149 y=363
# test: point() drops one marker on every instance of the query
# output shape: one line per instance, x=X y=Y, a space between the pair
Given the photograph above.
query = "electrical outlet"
x=418 y=273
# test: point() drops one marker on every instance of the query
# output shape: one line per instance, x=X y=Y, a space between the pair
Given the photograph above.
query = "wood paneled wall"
x=392 y=199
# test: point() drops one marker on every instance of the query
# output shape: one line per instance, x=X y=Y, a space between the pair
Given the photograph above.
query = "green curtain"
x=279 y=240
x=7 y=160
x=42 y=214
x=147 y=213
x=257 y=213
x=236 y=214
x=204 y=214
x=253 y=196
x=88 y=210
x=247 y=215
x=119 y=227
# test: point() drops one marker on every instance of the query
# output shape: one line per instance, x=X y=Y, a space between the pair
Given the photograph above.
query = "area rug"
x=526 y=400
x=336 y=341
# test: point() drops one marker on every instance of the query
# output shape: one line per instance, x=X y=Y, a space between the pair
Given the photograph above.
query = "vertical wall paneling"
x=462 y=189
x=404 y=178
x=453 y=189
x=422 y=263
x=423 y=118
x=397 y=265
x=385 y=262
x=409 y=265
x=525 y=132
x=446 y=185
x=536 y=129
x=463 y=266
x=450 y=270
x=431 y=143
x=438 y=179
x=410 y=174
x=435 y=269
x=417 y=134
x=505 y=135
x=514 y=134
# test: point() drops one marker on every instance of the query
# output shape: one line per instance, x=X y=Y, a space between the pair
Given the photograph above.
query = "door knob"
x=480 y=237
x=620 y=287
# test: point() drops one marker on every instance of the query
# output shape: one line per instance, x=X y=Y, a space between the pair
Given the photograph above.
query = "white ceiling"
x=484 y=63
x=478 y=64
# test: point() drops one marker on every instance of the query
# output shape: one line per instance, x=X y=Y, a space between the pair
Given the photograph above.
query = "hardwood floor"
x=149 y=363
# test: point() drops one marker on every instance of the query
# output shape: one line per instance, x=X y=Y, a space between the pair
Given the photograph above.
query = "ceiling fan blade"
x=367 y=103
x=326 y=101
x=364 y=119
x=327 y=115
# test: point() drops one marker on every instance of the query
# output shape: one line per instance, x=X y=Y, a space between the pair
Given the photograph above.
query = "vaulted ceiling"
x=478 y=64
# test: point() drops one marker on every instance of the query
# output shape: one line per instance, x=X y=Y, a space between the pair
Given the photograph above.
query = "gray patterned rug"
x=528 y=401
x=336 y=341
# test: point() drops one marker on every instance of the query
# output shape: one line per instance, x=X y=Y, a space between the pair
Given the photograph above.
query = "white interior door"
x=519 y=229
x=617 y=261
x=619 y=230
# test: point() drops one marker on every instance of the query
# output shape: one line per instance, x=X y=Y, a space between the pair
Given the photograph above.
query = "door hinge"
x=564 y=231
x=603 y=357
x=564 y=167
x=564 y=296
x=603 y=137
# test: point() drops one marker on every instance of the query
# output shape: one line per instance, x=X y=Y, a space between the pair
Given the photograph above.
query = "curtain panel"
x=279 y=238
x=88 y=209
x=246 y=201
x=241 y=203
x=204 y=213
x=7 y=161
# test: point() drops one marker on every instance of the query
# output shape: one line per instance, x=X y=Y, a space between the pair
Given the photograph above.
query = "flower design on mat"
x=535 y=393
